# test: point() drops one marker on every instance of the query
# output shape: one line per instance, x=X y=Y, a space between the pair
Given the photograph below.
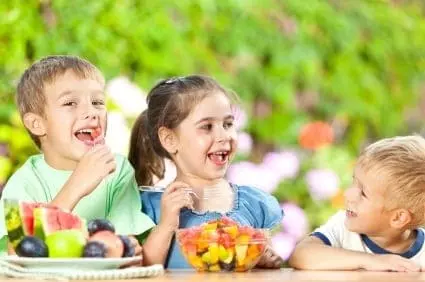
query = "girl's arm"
x=157 y=245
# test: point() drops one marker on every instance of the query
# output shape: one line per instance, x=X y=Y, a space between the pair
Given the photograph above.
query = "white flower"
x=322 y=183
x=117 y=134
x=128 y=96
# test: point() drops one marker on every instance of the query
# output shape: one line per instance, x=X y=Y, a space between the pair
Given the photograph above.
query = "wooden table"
x=271 y=275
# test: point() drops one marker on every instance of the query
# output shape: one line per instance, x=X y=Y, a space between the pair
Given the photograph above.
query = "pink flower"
x=250 y=174
x=244 y=143
x=285 y=164
x=295 y=221
x=322 y=183
x=283 y=244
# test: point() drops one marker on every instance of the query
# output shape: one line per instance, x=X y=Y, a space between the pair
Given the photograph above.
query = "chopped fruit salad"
x=222 y=245
x=43 y=230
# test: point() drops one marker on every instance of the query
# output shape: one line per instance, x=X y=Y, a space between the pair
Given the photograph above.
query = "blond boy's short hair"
x=30 y=93
x=400 y=163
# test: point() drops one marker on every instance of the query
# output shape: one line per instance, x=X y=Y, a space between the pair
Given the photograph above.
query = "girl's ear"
x=35 y=124
x=400 y=218
x=168 y=139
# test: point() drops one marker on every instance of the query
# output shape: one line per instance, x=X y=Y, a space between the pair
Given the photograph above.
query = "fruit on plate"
x=129 y=250
x=100 y=224
x=41 y=230
x=19 y=219
x=222 y=245
x=114 y=245
x=48 y=221
x=94 y=249
x=31 y=246
x=66 y=243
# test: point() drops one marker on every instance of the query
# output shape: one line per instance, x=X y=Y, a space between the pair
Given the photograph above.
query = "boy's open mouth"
x=89 y=136
x=219 y=157
x=350 y=213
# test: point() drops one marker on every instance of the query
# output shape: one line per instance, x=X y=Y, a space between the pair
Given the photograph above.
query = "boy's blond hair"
x=30 y=96
x=400 y=163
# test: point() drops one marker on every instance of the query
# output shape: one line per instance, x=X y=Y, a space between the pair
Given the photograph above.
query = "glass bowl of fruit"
x=222 y=245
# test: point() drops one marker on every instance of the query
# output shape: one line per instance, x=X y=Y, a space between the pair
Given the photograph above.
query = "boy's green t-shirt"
x=116 y=197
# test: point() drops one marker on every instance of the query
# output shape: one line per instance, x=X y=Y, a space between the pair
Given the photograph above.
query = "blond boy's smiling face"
x=74 y=119
x=365 y=204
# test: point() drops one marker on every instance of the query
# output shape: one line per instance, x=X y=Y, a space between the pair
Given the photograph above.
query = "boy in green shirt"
x=61 y=100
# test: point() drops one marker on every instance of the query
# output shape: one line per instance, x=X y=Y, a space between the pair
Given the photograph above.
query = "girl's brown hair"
x=169 y=103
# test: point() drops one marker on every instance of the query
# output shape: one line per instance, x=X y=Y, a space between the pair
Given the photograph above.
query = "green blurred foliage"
x=358 y=64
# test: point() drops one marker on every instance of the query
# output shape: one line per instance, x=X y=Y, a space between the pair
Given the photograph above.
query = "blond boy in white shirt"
x=385 y=207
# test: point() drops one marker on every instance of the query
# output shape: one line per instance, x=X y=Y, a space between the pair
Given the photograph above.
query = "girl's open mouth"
x=90 y=136
x=219 y=158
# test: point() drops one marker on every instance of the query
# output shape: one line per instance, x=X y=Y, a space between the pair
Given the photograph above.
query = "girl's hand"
x=173 y=200
x=270 y=259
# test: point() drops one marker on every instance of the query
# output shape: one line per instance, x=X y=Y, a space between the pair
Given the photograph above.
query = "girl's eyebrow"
x=214 y=118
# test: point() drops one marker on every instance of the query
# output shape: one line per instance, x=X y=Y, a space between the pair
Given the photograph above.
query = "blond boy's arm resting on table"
x=312 y=254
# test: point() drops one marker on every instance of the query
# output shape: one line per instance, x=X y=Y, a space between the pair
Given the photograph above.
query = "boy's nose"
x=90 y=113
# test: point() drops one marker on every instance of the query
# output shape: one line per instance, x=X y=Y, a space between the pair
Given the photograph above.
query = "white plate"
x=66 y=264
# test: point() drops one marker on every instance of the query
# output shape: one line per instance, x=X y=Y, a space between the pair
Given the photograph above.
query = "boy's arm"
x=95 y=166
x=125 y=208
x=312 y=254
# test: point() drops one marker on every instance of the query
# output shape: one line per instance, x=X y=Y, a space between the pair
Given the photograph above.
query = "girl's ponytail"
x=141 y=155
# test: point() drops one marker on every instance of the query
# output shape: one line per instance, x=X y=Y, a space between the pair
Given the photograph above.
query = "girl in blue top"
x=189 y=120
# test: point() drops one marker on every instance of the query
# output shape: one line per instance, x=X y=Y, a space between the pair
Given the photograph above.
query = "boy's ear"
x=168 y=140
x=400 y=218
x=34 y=123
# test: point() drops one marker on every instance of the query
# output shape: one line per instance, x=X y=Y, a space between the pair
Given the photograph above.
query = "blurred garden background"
x=318 y=80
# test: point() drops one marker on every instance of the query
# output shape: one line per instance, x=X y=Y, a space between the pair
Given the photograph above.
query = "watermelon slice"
x=47 y=221
x=37 y=219
x=19 y=219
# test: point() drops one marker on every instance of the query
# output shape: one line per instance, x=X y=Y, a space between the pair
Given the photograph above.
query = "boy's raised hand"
x=93 y=167
x=173 y=200
x=390 y=262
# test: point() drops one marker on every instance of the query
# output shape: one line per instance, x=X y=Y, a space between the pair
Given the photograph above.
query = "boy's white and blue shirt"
x=251 y=207
x=335 y=234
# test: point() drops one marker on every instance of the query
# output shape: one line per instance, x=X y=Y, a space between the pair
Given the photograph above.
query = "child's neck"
x=219 y=194
x=197 y=183
x=396 y=242
x=59 y=164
